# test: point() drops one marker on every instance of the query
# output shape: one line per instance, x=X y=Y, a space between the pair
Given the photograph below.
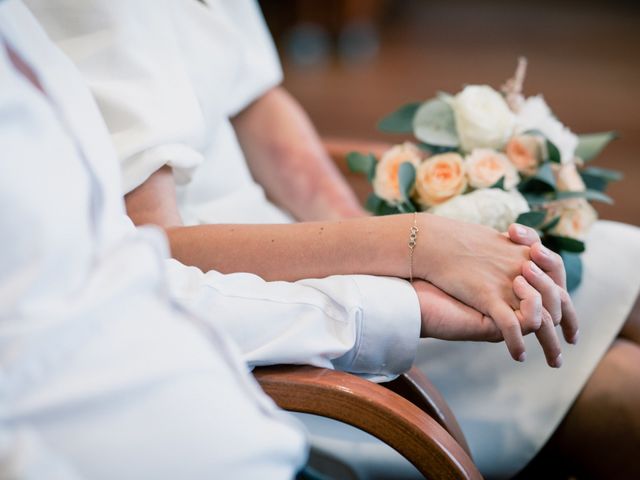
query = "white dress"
x=102 y=373
x=167 y=74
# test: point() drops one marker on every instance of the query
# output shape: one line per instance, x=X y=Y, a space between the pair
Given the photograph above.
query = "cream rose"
x=535 y=114
x=439 y=178
x=485 y=167
x=525 y=153
x=568 y=178
x=576 y=218
x=483 y=118
x=385 y=183
x=492 y=207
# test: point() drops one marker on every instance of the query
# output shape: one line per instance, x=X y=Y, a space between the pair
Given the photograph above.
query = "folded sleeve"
x=260 y=67
x=360 y=324
x=128 y=53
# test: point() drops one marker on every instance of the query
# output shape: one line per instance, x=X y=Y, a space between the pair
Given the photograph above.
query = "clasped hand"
x=480 y=285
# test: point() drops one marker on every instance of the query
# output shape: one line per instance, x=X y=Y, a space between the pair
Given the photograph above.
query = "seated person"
x=104 y=375
x=189 y=92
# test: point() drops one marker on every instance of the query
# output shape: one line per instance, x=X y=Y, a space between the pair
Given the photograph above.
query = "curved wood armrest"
x=418 y=389
x=373 y=409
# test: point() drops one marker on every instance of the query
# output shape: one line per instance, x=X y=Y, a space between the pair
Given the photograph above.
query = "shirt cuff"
x=182 y=158
x=388 y=329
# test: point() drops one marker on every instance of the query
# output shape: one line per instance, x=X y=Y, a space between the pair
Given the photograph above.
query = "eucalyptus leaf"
x=373 y=203
x=553 y=154
x=499 y=184
x=596 y=178
x=434 y=124
x=400 y=121
x=593 y=195
x=591 y=144
x=542 y=181
x=531 y=219
x=573 y=268
x=406 y=179
x=360 y=163
x=557 y=243
x=550 y=224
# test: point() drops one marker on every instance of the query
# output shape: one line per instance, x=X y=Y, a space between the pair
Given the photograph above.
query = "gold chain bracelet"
x=413 y=238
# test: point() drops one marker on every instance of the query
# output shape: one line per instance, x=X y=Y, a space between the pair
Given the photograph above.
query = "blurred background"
x=350 y=62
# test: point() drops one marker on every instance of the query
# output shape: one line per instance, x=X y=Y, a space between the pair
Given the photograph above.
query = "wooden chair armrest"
x=418 y=389
x=373 y=409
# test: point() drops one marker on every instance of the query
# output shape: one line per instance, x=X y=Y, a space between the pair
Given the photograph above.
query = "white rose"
x=483 y=118
x=535 y=114
x=492 y=207
x=485 y=167
x=385 y=182
x=576 y=217
x=568 y=178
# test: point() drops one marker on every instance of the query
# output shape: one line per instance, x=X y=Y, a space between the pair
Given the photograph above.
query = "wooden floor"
x=583 y=57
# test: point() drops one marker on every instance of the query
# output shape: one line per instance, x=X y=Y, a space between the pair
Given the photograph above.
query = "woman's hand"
x=549 y=262
x=486 y=271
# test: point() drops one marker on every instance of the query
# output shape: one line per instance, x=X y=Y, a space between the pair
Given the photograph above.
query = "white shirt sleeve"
x=164 y=72
x=358 y=323
x=128 y=53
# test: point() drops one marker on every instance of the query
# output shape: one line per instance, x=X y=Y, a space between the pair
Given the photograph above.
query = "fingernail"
x=575 y=338
x=545 y=251
x=522 y=357
x=521 y=231
x=535 y=268
x=557 y=363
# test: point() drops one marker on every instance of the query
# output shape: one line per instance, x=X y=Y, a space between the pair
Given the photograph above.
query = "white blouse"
x=101 y=375
x=167 y=75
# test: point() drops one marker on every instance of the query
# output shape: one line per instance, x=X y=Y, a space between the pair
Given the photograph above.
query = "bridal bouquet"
x=492 y=158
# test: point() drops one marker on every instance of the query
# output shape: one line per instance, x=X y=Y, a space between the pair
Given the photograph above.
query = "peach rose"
x=568 y=178
x=525 y=152
x=385 y=183
x=576 y=217
x=485 y=167
x=440 y=178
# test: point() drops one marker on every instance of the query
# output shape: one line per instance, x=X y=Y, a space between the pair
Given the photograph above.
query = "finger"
x=508 y=323
x=569 y=322
x=446 y=318
x=522 y=235
x=544 y=284
x=548 y=338
x=530 y=312
x=550 y=262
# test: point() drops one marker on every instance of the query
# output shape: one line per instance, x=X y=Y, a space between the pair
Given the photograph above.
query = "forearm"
x=287 y=158
x=374 y=246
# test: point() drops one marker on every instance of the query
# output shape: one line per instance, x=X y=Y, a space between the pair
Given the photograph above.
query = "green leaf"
x=406 y=178
x=499 y=184
x=553 y=154
x=573 y=268
x=596 y=178
x=550 y=224
x=360 y=163
x=590 y=145
x=434 y=124
x=593 y=195
x=531 y=219
x=606 y=173
x=373 y=203
x=558 y=243
x=400 y=121
x=542 y=181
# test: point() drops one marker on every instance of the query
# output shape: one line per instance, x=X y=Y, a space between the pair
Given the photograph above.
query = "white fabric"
x=125 y=66
x=110 y=348
x=101 y=376
x=167 y=74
